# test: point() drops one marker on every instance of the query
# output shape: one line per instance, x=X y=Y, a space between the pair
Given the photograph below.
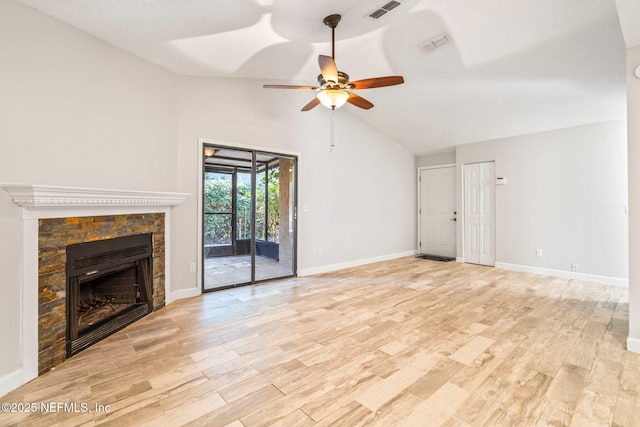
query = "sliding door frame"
x=202 y=142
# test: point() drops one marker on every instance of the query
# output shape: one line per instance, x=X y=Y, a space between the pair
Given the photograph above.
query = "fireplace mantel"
x=34 y=196
x=49 y=201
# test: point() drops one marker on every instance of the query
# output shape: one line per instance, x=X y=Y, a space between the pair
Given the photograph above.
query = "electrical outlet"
x=192 y=267
x=575 y=266
x=319 y=251
x=539 y=253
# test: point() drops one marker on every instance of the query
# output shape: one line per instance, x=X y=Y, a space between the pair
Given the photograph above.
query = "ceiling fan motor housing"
x=343 y=79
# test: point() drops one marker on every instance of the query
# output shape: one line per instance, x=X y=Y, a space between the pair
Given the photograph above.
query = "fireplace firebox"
x=109 y=286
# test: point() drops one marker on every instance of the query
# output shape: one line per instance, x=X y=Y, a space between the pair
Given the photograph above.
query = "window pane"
x=273 y=205
x=217 y=229
x=260 y=205
x=243 y=206
x=217 y=192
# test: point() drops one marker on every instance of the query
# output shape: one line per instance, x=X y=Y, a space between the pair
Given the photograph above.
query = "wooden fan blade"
x=328 y=68
x=359 y=101
x=311 y=104
x=377 y=82
x=289 y=87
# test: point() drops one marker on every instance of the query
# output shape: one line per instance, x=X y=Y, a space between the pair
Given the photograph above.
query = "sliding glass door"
x=249 y=224
x=275 y=222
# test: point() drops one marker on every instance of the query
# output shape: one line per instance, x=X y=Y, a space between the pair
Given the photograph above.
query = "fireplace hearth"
x=109 y=286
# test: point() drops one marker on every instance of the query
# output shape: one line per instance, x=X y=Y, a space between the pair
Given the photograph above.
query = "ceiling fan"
x=334 y=87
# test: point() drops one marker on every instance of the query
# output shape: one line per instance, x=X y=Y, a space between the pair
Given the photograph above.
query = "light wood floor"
x=404 y=342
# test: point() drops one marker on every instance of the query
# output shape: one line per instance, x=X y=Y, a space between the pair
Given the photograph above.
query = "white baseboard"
x=633 y=344
x=354 y=263
x=615 y=281
x=460 y=259
x=181 y=294
x=12 y=381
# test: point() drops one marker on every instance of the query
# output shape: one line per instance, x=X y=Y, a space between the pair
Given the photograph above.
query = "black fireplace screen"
x=109 y=286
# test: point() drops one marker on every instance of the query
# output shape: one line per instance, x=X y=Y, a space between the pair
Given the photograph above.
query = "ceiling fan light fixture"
x=334 y=87
x=333 y=98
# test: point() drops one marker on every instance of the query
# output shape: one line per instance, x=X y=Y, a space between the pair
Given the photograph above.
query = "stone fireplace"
x=56 y=222
x=58 y=275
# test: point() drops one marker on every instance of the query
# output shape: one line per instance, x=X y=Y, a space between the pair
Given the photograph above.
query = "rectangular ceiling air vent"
x=388 y=7
x=440 y=40
x=429 y=46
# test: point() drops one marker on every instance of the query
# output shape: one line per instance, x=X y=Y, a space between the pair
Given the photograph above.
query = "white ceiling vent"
x=435 y=43
x=388 y=7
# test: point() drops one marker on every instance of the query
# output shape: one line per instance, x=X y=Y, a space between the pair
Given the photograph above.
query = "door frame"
x=232 y=145
x=419 y=187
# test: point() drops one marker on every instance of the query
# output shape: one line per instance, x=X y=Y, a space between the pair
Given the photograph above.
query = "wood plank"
x=471 y=350
x=392 y=343
x=438 y=407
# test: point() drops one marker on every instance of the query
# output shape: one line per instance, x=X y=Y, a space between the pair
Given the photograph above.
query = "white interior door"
x=437 y=214
x=479 y=213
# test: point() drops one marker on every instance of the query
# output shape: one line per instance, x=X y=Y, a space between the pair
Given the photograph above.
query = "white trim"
x=29 y=292
x=447 y=165
x=167 y=254
x=419 y=187
x=181 y=294
x=199 y=215
x=12 y=381
x=35 y=196
x=633 y=344
x=354 y=263
x=607 y=280
x=41 y=201
x=460 y=259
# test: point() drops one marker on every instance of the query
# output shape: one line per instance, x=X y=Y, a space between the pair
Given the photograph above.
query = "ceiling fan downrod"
x=332 y=22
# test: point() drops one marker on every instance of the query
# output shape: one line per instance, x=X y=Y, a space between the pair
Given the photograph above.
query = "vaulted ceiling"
x=512 y=66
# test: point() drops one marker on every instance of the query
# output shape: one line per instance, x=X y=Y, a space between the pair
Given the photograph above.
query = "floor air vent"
x=435 y=257
x=388 y=7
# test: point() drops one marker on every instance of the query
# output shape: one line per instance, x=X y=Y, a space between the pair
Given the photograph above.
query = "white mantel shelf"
x=35 y=196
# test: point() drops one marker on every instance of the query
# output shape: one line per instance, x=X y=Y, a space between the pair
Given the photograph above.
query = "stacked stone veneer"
x=54 y=234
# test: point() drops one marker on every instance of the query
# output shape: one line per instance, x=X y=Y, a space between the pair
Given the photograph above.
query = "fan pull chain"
x=332 y=144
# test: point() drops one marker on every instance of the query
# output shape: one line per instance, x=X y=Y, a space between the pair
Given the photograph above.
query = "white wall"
x=566 y=194
x=358 y=196
x=633 y=112
x=74 y=111
x=74 y=108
